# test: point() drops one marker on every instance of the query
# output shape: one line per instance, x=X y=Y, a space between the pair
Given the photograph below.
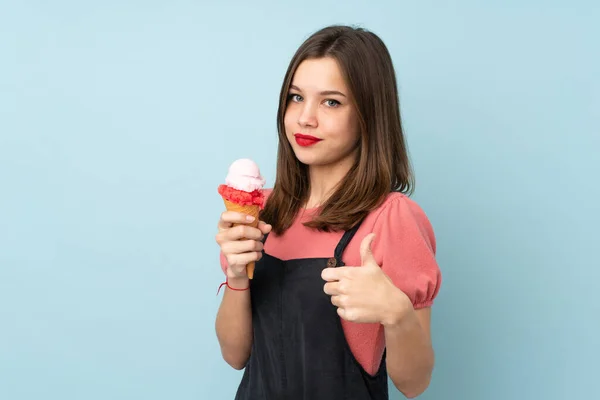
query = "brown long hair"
x=382 y=164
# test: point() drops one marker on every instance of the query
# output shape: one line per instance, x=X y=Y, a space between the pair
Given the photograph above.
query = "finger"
x=347 y=314
x=238 y=262
x=366 y=254
x=238 y=233
x=222 y=225
x=241 y=246
x=331 y=274
x=243 y=232
x=337 y=273
x=336 y=301
x=334 y=274
x=228 y=218
x=264 y=227
x=332 y=288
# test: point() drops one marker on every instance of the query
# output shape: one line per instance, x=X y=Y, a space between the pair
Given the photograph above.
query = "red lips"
x=306 y=140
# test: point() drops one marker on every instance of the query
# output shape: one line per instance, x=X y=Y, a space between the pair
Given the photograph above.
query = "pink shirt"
x=404 y=246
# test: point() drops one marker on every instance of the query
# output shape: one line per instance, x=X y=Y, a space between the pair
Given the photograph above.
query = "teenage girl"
x=345 y=261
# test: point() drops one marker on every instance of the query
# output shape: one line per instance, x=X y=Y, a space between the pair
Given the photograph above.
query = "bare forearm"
x=234 y=325
x=410 y=355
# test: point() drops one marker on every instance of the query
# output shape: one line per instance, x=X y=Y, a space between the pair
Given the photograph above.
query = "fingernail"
x=249 y=218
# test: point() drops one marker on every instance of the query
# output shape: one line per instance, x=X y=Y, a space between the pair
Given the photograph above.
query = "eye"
x=296 y=98
x=332 y=103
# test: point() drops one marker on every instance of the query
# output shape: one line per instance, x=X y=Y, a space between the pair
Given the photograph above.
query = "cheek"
x=289 y=120
x=352 y=128
x=343 y=128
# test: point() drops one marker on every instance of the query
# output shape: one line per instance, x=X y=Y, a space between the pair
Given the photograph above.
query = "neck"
x=324 y=180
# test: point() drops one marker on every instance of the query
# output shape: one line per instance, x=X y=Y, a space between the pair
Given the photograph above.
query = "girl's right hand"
x=240 y=244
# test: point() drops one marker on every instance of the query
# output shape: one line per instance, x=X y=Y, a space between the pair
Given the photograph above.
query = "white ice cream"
x=244 y=175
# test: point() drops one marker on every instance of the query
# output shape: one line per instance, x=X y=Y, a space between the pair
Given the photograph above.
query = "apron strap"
x=346 y=238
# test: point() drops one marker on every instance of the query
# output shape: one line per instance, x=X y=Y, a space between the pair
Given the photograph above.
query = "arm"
x=394 y=286
x=234 y=324
x=366 y=295
x=240 y=245
x=416 y=276
x=409 y=356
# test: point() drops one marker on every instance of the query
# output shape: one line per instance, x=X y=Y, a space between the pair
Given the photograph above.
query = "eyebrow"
x=323 y=93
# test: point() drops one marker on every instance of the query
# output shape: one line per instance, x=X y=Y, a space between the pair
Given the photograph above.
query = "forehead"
x=319 y=74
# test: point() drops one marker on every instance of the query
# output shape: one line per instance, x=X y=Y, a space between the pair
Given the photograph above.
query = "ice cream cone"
x=242 y=192
x=252 y=210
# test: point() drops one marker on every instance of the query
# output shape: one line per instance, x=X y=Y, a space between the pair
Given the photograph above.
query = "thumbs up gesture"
x=365 y=294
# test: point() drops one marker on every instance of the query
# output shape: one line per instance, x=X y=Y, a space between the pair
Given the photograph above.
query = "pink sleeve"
x=406 y=245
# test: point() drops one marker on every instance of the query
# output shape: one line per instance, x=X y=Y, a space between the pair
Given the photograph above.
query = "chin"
x=306 y=160
x=313 y=161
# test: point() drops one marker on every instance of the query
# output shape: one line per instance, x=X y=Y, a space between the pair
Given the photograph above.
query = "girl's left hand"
x=365 y=294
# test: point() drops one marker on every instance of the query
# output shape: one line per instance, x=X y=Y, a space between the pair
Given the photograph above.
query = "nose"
x=308 y=116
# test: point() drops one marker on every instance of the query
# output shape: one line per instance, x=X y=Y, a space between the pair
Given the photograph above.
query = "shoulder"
x=396 y=200
x=266 y=192
x=399 y=216
x=402 y=209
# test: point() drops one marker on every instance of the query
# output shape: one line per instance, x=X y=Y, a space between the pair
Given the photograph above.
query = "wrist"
x=238 y=282
x=398 y=311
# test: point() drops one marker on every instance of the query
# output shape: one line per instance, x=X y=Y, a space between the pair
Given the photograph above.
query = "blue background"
x=118 y=119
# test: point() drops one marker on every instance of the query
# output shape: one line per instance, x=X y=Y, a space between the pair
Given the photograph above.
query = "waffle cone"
x=252 y=210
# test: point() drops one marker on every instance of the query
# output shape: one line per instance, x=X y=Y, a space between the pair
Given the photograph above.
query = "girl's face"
x=320 y=121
